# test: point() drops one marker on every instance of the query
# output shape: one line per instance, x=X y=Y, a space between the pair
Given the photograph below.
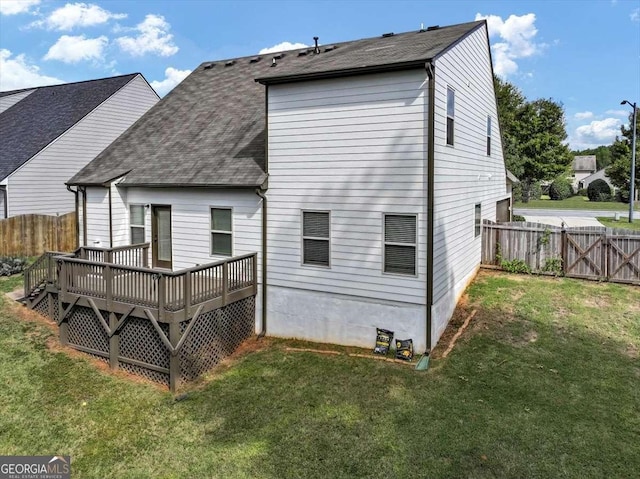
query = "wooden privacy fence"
x=597 y=253
x=32 y=235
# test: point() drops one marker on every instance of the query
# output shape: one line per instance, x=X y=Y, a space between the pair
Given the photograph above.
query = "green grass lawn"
x=543 y=383
x=575 y=203
x=623 y=223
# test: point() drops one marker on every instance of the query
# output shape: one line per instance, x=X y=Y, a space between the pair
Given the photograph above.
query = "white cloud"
x=517 y=35
x=70 y=49
x=624 y=113
x=153 y=37
x=635 y=15
x=281 y=47
x=584 y=115
x=77 y=15
x=598 y=132
x=173 y=76
x=17 y=73
x=13 y=7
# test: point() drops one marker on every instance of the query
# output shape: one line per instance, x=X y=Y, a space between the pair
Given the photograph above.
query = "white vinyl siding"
x=191 y=221
x=119 y=215
x=98 y=216
x=464 y=175
x=48 y=170
x=356 y=147
x=8 y=101
x=316 y=238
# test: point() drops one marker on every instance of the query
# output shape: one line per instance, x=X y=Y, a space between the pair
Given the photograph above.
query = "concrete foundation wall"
x=340 y=319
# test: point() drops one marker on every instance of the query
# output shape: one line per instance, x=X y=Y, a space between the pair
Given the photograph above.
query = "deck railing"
x=130 y=255
x=165 y=291
x=42 y=271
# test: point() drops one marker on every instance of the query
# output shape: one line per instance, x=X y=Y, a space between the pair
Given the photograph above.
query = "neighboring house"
x=582 y=167
x=47 y=134
x=598 y=175
x=369 y=164
x=505 y=208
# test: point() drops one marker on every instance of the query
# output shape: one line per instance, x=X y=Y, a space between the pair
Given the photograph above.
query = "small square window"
x=451 y=107
x=478 y=220
x=400 y=237
x=221 y=235
x=136 y=224
x=316 y=238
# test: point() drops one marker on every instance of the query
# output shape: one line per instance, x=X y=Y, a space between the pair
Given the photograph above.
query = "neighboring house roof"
x=584 y=163
x=35 y=121
x=210 y=130
x=598 y=175
x=512 y=178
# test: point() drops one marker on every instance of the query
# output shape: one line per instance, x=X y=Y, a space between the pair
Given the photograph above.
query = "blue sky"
x=583 y=53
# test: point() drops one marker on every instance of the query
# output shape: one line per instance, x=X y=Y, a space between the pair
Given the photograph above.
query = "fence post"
x=564 y=249
x=145 y=256
x=604 y=256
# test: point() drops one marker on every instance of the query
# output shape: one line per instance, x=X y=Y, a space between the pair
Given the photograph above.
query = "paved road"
x=572 y=213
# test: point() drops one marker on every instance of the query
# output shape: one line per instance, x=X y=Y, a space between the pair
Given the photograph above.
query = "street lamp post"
x=632 y=186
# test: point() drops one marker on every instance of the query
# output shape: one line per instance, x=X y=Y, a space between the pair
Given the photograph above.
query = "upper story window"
x=400 y=244
x=451 y=109
x=221 y=235
x=488 y=135
x=136 y=223
x=316 y=238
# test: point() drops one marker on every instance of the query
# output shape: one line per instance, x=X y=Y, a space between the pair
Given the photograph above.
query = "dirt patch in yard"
x=596 y=302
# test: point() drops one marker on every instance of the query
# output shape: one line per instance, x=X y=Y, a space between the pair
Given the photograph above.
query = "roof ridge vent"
x=229 y=63
x=279 y=56
x=208 y=66
x=255 y=59
x=433 y=27
x=329 y=48
x=303 y=53
x=387 y=35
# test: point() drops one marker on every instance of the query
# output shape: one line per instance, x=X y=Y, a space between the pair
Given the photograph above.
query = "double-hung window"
x=451 y=110
x=221 y=235
x=316 y=241
x=400 y=244
x=136 y=223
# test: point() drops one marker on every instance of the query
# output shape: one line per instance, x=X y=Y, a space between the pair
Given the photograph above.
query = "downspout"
x=84 y=213
x=263 y=294
x=6 y=200
x=110 y=219
x=431 y=74
x=75 y=193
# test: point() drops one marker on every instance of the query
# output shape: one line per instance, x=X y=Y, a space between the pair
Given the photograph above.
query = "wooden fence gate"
x=32 y=235
x=596 y=253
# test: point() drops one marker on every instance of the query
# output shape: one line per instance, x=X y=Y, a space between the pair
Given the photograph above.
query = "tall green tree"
x=619 y=172
x=533 y=135
x=511 y=102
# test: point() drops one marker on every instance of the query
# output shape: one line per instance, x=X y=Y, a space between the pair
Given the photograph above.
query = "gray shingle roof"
x=584 y=163
x=210 y=130
x=34 y=122
x=371 y=53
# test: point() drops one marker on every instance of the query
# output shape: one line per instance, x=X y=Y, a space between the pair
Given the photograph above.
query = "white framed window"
x=477 y=224
x=136 y=224
x=400 y=244
x=316 y=238
x=451 y=110
x=221 y=232
x=488 y=136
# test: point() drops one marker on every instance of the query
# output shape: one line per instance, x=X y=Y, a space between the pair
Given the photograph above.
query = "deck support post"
x=174 y=359
x=114 y=342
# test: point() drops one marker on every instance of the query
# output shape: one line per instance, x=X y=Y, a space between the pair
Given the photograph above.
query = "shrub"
x=560 y=189
x=535 y=191
x=599 y=190
x=622 y=196
x=10 y=266
x=518 y=218
x=581 y=192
